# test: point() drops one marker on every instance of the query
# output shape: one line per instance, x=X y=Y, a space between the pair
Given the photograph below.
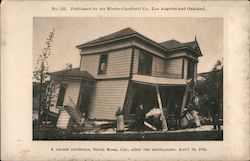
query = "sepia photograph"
x=127 y=79
x=124 y=80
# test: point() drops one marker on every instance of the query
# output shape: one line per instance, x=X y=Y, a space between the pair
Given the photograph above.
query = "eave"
x=123 y=38
x=185 y=48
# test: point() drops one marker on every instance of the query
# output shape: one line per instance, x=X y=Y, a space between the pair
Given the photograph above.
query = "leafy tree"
x=40 y=74
x=212 y=87
x=215 y=81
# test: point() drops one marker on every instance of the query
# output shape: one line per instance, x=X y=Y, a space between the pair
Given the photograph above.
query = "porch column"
x=164 y=123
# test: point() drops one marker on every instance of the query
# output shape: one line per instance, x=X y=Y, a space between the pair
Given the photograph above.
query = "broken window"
x=145 y=64
x=103 y=64
x=61 y=94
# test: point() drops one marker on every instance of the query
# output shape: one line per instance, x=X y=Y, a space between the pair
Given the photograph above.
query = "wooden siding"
x=158 y=66
x=106 y=47
x=63 y=120
x=174 y=66
x=106 y=98
x=136 y=61
x=118 y=63
x=72 y=91
x=90 y=63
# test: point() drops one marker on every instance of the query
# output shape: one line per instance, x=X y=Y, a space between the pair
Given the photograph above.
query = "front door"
x=85 y=96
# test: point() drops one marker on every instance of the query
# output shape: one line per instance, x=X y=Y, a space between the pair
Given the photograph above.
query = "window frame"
x=59 y=97
x=145 y=68
x=99 y=72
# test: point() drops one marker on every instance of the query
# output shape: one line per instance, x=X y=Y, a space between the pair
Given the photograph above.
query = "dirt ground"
x=205 y=132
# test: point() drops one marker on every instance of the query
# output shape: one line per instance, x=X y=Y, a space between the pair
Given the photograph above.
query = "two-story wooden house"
x=122 y=69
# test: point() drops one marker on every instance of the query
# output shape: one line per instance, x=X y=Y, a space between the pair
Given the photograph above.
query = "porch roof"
x=75 y=73
x=160 y=81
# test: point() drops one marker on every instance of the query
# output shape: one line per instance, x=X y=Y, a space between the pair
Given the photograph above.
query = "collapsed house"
x=124 y=69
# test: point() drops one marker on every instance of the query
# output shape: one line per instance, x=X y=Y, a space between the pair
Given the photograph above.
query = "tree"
x=215 y=81
x=40 y=74
x=211 y=87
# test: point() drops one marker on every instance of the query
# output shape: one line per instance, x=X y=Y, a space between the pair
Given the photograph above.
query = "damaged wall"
x=72 y=91
x=107 y=96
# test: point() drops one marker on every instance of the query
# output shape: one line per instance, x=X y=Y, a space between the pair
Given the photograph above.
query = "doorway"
x=85 y=97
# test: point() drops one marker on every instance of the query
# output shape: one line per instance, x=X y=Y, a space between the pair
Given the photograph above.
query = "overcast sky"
x=70 y=32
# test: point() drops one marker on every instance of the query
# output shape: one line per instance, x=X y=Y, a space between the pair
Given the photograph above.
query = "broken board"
x=63 y=120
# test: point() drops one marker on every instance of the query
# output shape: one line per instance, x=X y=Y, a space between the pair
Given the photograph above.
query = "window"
x=145 y=64
x=103 y=64
x=61 y=94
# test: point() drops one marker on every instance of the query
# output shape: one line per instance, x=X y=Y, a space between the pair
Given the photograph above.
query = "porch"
x=167 y=94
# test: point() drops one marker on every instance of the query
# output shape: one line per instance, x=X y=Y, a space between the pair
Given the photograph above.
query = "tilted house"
x=122 y=69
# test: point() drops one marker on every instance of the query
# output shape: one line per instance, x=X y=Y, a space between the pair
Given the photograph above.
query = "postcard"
x=125 y=80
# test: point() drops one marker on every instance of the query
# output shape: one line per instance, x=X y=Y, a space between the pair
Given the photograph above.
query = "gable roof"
x=122 y=34
x=190 y=44
x=75 y=72
x=128 y=32
x=173 y=44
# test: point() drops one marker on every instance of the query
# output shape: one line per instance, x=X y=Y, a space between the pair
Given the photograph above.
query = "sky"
x=73 y=31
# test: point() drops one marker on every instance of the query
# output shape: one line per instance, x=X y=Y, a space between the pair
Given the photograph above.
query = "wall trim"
x=104 y=51
x=115 y=78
